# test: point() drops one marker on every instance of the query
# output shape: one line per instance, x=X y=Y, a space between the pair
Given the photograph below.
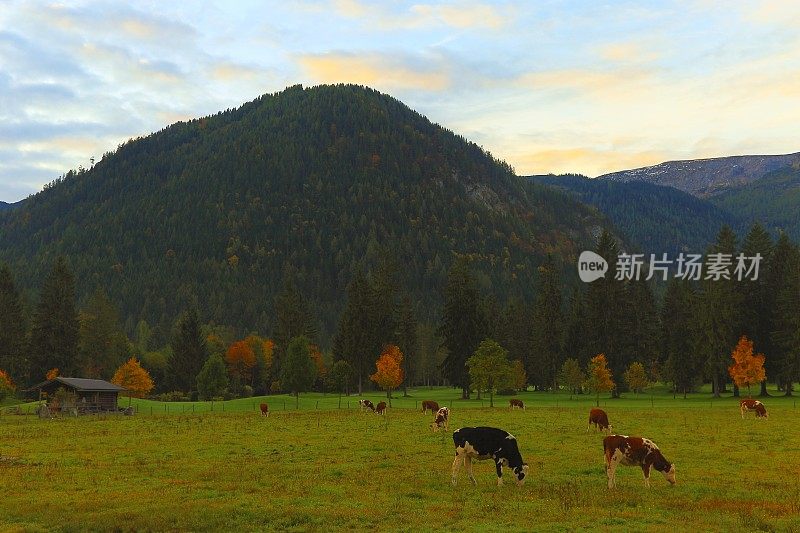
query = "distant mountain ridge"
x=706 y=178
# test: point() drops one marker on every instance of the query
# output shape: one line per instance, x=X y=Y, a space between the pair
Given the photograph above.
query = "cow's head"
x=670 y=474
x=520 y=472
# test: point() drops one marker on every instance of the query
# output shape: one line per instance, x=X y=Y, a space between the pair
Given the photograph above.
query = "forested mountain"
x=707 y=177
x=773 y=200
x=6 y=205
x=657 y=219
x=311 y=183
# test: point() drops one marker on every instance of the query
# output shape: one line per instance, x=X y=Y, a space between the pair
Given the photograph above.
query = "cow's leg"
x=646 y=472
x=589 y=426
x=456 y=463
x=611 y=468
x=499 y=466
x=468 y=465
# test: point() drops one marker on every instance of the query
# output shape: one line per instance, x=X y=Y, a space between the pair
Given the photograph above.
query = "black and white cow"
x=366 y=405
x=488 y=443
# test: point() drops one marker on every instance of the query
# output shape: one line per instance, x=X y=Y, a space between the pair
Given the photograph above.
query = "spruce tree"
x=463 y=325
x=294 y=318
x=678 y=315
x=758 y=301
x=546 y=350
x=720 y=314
x=785 y=337
x=189 y=353
x=13 y=329
x=103 y=346
x=407 y=340
x=55 y=331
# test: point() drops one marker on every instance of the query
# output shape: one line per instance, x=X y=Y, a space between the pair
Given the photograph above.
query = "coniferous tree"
x=13 y=329
x=605 y=313
x=643 y=319
x=354 y=340
x=189 y=353
x=103 y=346
x=546 y=351
x=462 y=325
x=678 y=328
x=55 y=331
x=719 y=313
x=575 y=341
x=785 y=337
x=407 y=341
x=294 y=318
x=758 y=302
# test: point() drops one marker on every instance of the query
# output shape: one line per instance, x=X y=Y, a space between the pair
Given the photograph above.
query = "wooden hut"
x=86 y=395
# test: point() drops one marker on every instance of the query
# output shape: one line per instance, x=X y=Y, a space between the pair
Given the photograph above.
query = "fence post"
x=284 y=404
x=317 y=404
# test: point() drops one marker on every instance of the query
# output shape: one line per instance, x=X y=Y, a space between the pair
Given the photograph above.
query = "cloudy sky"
x=550 y=86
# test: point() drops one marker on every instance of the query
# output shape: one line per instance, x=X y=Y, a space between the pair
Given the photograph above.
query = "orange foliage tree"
x=134 y=378
x=389 y=370
x=319 y=362
x=747 y=369
x=52 y=374
x=241 y=359
x=7 y=386
x=599 y=379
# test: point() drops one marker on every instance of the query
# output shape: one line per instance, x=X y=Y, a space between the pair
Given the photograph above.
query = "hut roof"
x=82 y=384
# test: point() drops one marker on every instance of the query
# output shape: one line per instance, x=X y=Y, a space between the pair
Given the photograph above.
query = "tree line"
x=478 y=345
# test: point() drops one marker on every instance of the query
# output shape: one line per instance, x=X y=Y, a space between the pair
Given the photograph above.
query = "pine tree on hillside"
x=463 y=325
x=576 y=344
x=13 y=329
x=547 y=345
x=103 y=346
x=720 y=315
x=606 y=307
x=293 y=316
x=189 y=353
x=758 y=301
x=678 y=327
x=785 y=337
x=407 y=341
x=355 y=338
x=55 y=331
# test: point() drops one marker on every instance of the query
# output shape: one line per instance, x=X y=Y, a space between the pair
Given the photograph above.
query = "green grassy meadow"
x=332 y=469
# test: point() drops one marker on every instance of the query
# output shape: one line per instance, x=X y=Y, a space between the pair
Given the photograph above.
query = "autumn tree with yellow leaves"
x=389 y=370
x=134 y=378
x=747 y=369
x=599 y=379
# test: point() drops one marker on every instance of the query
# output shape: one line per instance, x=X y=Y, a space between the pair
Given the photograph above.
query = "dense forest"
x=656 y=218
x=313 y=184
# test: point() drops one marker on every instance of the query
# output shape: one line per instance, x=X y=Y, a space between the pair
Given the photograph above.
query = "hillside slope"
x=656 y=219
x=707 y=177
x=320 y=182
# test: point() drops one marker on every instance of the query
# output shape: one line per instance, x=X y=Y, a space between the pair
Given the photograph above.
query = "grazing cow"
x=264 y=409
x=380 y=408
x=366 y=404
x=488 y=443
x=633 y=451
x=515 y=403
x=599 y=418
x=753 y=405
x=429 y=404
x=441 y=419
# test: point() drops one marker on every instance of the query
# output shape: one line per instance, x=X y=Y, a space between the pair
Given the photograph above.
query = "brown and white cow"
x=429 y=404
x=380 y=408
x=366 y=405
x=264 y=409
x=635 y=451
x=515 y=403
x=441 y=419
x=753 y=405
x=599 y=418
